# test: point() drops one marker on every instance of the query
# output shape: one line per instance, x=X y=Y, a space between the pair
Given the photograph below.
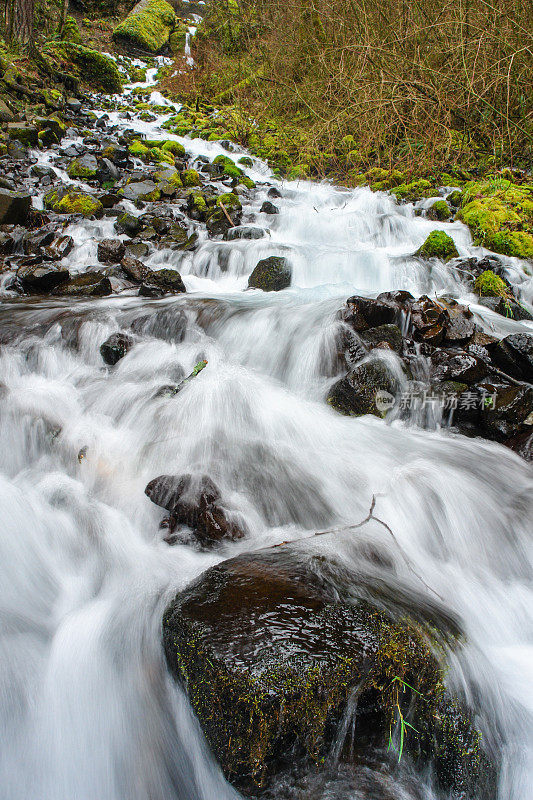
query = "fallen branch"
x=370 y=516
x=225 y=210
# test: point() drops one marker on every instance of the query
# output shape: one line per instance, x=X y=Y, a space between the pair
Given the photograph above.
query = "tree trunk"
x=64 y=14
x=20 y=21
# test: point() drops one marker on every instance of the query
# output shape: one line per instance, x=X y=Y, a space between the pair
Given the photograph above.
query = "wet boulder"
x=269 y=208
x=86 y=284
x=23 y=133
x=193 y=501
x=83 y=167
x=361 y=313
x=43 y=277
x=272 y=645
x=514 y=355
x=457 y=365
x=65 y=200
x=145 y=190
x=14 y=207
x=160 y=282
x=505 y=408
x=147 y=27
x=381 y=336
x=244 y=232
x=59 y=247
x=429 y=320
x=364 y=390
x=129 y=224
x=115 y=347
x=271 y=274
x=111 y=251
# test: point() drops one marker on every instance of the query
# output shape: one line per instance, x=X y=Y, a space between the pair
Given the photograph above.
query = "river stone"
x=87 y=284
x=111 y=251
x=59 y=247
x=269 y=208
x=192 y=500
x=245 y=232
x=271 y=274
x=14 y=207
x=163 y=281
x=141 y=190
x=23 y=133
x=514 y=355
x=271 y=645
x=359 y=391
x=42 y=277
x=361 y=313
x=388 y=334
x=115 y=347
x=129 y=224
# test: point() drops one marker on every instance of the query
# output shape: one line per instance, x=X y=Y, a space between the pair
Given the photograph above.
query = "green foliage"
x=500 y=215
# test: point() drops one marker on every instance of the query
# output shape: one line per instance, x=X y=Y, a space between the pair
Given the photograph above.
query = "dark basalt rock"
x=14 y=207
x=192 y=500
x=271 y=645
x=457 y=365
x=59 y=247
x=88 y=284
x=356 y=393
x=128 y=224
x=115 y=347
x=513 y=405
x=269 y=208
x=271 y=274
x=514 y=355
x=111 y=251
x=361 y=313
x=245 y=232
x=389 y=335
x=42 y=277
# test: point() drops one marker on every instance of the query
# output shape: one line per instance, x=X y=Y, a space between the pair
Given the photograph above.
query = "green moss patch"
x=500 y=216
x=73 y=202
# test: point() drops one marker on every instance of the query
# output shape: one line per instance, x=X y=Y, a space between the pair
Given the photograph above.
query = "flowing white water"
x=87 y=709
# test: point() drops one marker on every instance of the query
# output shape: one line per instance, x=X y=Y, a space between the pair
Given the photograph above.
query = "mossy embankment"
x=293 y=106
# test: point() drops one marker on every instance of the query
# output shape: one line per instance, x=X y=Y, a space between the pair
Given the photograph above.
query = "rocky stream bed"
x=202 y=368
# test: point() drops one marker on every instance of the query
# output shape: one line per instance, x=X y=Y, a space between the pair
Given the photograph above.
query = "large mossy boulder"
x=272 y=645
x=271 y=274
x=89 y=66
x=147 y=27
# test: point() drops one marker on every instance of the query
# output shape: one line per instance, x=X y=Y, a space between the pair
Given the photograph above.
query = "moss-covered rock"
x=89 y=66
x=139 y=150
x=148 y=26
x=440 y=211
x=271 y=274
x=413 y=191
x=83 y=167
x=64 y=201
x=176 y=148
x=271 y=645
x=500 y=216
x=364 y=390
x=488 y=284
x=190 y=177
x=70 y=31
x=438 y=245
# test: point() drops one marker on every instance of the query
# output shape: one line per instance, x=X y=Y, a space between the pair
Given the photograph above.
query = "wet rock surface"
x=271 y=645
x=474 y=383
x=193 y=501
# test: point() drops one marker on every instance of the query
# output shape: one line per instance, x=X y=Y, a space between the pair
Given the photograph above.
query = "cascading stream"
x=87 y=709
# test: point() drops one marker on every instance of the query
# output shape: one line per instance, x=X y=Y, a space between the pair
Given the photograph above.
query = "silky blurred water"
x=87 y=709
